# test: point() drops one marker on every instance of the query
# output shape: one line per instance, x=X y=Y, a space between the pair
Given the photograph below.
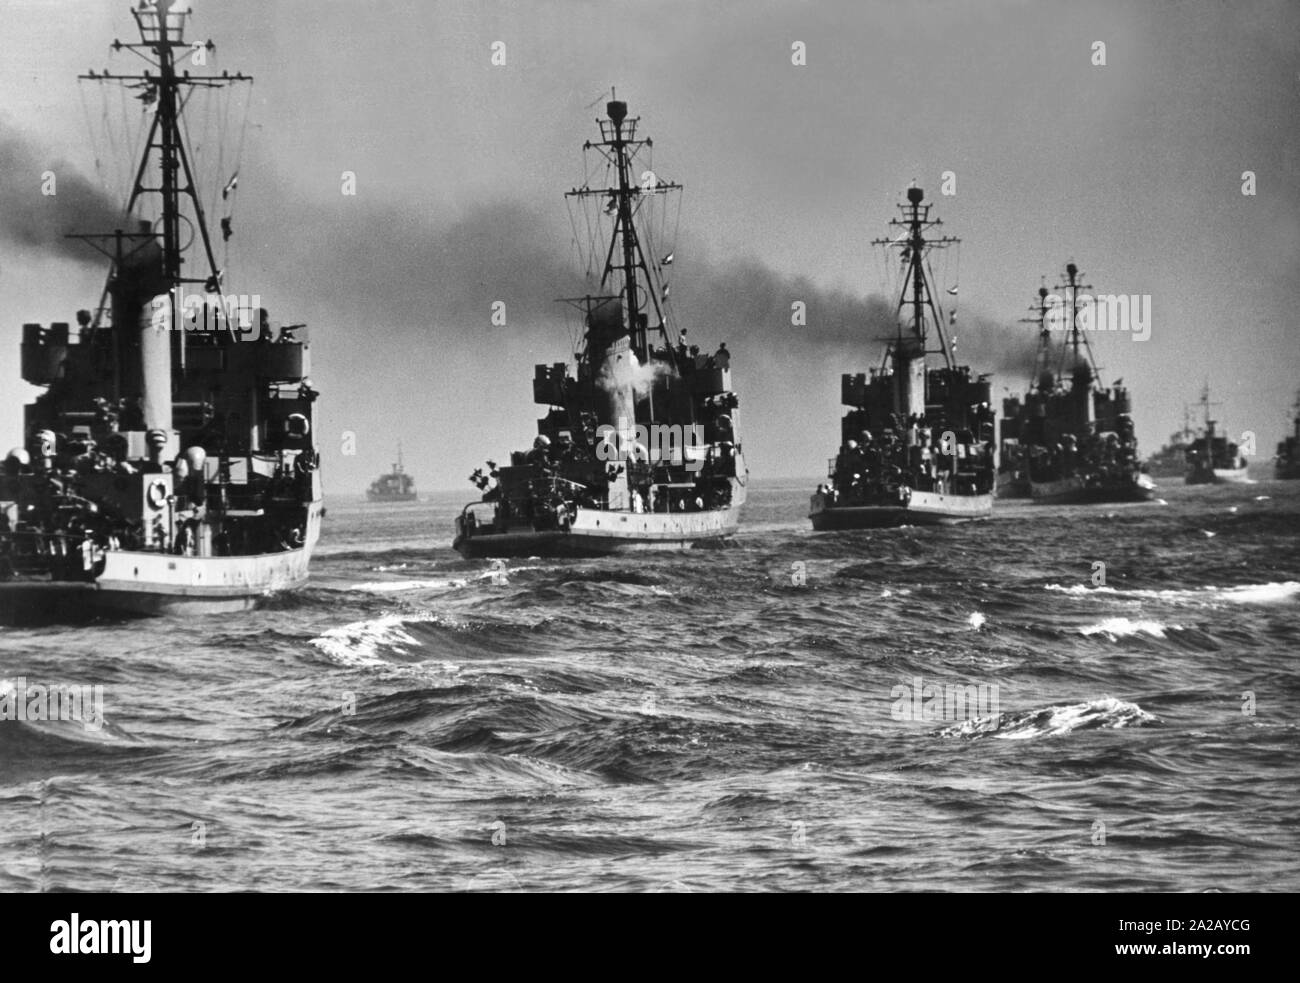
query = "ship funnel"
x=142 y=322
x=617 y=111
x=605 y=324
x=915 y=195
x=155 y=356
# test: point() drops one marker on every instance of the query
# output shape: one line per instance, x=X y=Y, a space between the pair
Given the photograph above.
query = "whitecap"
x=1106 y=713
x=1117 y=628
x=1269 y=593
x=359 y=643
x=397 y=586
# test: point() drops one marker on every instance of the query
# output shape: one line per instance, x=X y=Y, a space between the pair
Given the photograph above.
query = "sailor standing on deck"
x=541 y=452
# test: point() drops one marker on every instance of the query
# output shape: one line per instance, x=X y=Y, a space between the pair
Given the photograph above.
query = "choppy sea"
x=977 y=708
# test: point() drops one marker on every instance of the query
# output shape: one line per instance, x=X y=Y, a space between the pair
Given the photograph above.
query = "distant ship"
x=169 y=465
x=1013 y=457
x=396 y=486
x=1287 y=463
x=638 y=449
x=1078 y=436
x=917 y=444
x=1171 y=460
x=1211 y=458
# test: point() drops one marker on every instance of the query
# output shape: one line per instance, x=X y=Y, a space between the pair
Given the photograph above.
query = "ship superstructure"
x=169 y=465
x=1013 y=458
x=638 y=448
x=916 y=445
x=1171 y=460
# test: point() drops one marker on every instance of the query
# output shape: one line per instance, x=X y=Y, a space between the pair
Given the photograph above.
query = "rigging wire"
x=936 y=308
x=238 y=162
x=95 y=144
x=123 y=178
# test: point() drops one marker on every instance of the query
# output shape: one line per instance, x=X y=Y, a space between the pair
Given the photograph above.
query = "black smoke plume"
x=31 y=219
x=397 y=265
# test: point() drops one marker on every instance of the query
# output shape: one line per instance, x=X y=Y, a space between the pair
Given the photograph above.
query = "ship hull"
x=596 y=532
x=153 y=593
x=372 y=497
x=162 y=584
x=157 y=584
x=1075 y=491
x=1218 y=476
x=1012 y=486
x=923 y=509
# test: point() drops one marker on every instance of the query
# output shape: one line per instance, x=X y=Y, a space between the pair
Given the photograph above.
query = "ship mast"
x=915 y=248
x=1043 y=355
x=1205 y=406
x=619 y=146
x=162 y=30
x=1078 y=340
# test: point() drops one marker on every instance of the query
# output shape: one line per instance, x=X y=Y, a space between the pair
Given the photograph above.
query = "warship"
x=1287 y=462
x=1013 y=462
x=1171 y=460
x=1078 y=436
x=917 y=442
x=639 y=446
x=169 y=464
x=396 y=486
x=1211 y=458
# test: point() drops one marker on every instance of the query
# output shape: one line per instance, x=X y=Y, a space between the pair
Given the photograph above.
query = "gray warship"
x=169 y=466
x=638 y=448
x=917 y=442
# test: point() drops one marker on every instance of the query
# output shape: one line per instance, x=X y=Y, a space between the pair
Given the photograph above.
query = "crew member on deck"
x=541 y=452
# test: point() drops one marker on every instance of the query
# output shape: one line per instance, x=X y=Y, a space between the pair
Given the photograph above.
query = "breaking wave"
x=1117 y=628
x=1272 y=593
x=362 y=642
x=1106 y=713
x=398 y=586
x=499 y=576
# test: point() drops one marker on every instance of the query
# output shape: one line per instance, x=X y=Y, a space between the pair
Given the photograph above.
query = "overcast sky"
x=1132 y=169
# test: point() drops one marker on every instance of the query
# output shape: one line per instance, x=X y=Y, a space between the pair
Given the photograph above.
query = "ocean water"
x=756 y=717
